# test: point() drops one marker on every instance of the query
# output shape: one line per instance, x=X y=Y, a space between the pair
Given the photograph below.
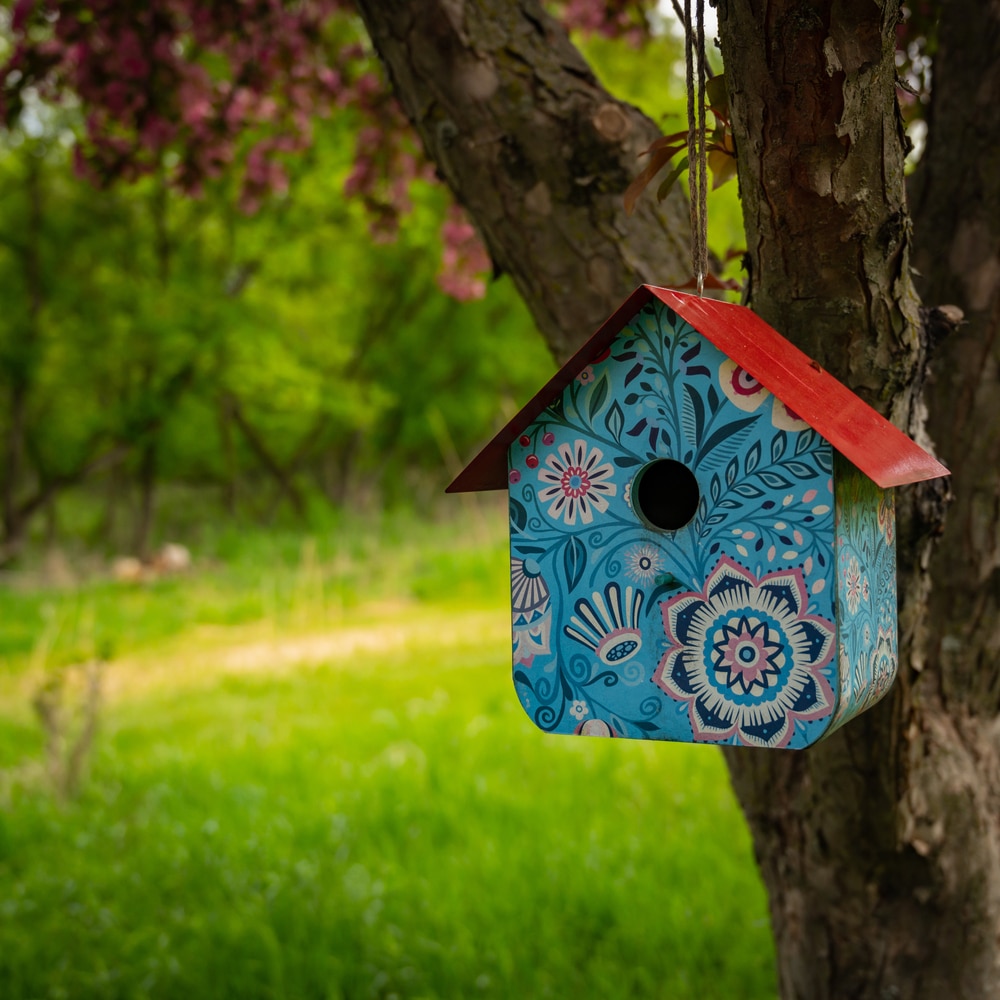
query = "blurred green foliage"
x=151 y=339
x=151 y=343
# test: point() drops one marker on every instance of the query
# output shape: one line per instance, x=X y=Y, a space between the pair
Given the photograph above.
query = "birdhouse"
x=702 y=534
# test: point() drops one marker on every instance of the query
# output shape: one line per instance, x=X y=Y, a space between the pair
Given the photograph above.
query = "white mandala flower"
x=575 y=482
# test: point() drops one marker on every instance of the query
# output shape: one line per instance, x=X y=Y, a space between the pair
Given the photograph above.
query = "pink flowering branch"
x=194 y=89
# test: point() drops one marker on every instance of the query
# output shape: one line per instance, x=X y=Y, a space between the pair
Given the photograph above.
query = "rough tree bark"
x=537 y=151
x=879 y=848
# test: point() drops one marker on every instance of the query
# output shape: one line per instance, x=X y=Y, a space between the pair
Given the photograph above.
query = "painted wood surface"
x=721 y=631
x=866 y=586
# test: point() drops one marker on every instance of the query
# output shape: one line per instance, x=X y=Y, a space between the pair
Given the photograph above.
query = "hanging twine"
x=695 y=72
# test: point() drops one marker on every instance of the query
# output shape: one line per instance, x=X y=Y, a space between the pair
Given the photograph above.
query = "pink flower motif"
x=785 y=419
x=883 y=665
x=586 y=376
x=746 y=657
x=740 y=387
x=575 y=482
x=852 y=585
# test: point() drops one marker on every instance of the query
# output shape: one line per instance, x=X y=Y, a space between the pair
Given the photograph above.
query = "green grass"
x=389 y=825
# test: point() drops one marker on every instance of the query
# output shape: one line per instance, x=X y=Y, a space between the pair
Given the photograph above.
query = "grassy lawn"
x=313 y=780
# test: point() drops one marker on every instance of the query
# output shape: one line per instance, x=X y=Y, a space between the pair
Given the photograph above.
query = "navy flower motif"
x=608 y=623
x=531 y=611
x=746 y=657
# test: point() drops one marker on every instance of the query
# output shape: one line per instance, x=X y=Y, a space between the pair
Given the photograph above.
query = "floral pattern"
x=852 y=585
x=729 y=629
x=786 y=419
x=643 y=563
x=531 y=614
x=608 y=624
x=740 y=387
x=745 y=657
x=866 y=619
x=576 y=482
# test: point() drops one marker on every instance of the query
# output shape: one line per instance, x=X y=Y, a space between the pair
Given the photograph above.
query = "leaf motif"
x=732 y=471
x=574 y=561
x=720 y=434
x=518 y=515
x=715 y=489
x=752 y=459
x=803 y=442
x=713 y=399
x=748 y=490
x=566 y=689
x=633 y=372
x=598 y=397
x=627 y=461
x=774 y=480
x=692 y=413
x=530 y=550
x=614 y=420
x=800 y=470
x=638 y=428
x=646 y=727
x=778 y=444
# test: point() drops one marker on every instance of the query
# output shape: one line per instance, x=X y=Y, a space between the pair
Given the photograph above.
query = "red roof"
x=878 y=448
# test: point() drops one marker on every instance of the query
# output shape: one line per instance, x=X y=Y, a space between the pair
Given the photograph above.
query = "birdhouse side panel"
x=718 y=629
x=866 y=591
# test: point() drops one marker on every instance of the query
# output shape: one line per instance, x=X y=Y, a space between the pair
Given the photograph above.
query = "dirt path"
x=231 y=652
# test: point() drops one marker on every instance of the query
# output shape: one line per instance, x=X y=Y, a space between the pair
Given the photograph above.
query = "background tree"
x=880 y=847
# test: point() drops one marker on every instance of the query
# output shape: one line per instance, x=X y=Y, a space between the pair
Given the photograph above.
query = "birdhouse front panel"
x=674 y=552
x=866 y=575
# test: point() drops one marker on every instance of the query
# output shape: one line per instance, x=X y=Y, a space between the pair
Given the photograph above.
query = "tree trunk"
x=957 y=216
x=281 y=476
x=537 y=151
x=141 y=544
x=22 y=366
x=878 y=847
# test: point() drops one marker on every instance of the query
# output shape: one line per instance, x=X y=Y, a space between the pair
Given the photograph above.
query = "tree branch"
x=537 y=151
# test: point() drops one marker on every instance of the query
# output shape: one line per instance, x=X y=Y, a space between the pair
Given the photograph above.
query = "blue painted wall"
x=721 y=631
x=866 y=585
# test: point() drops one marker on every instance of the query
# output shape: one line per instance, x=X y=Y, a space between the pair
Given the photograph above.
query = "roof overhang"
x=876 y=446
